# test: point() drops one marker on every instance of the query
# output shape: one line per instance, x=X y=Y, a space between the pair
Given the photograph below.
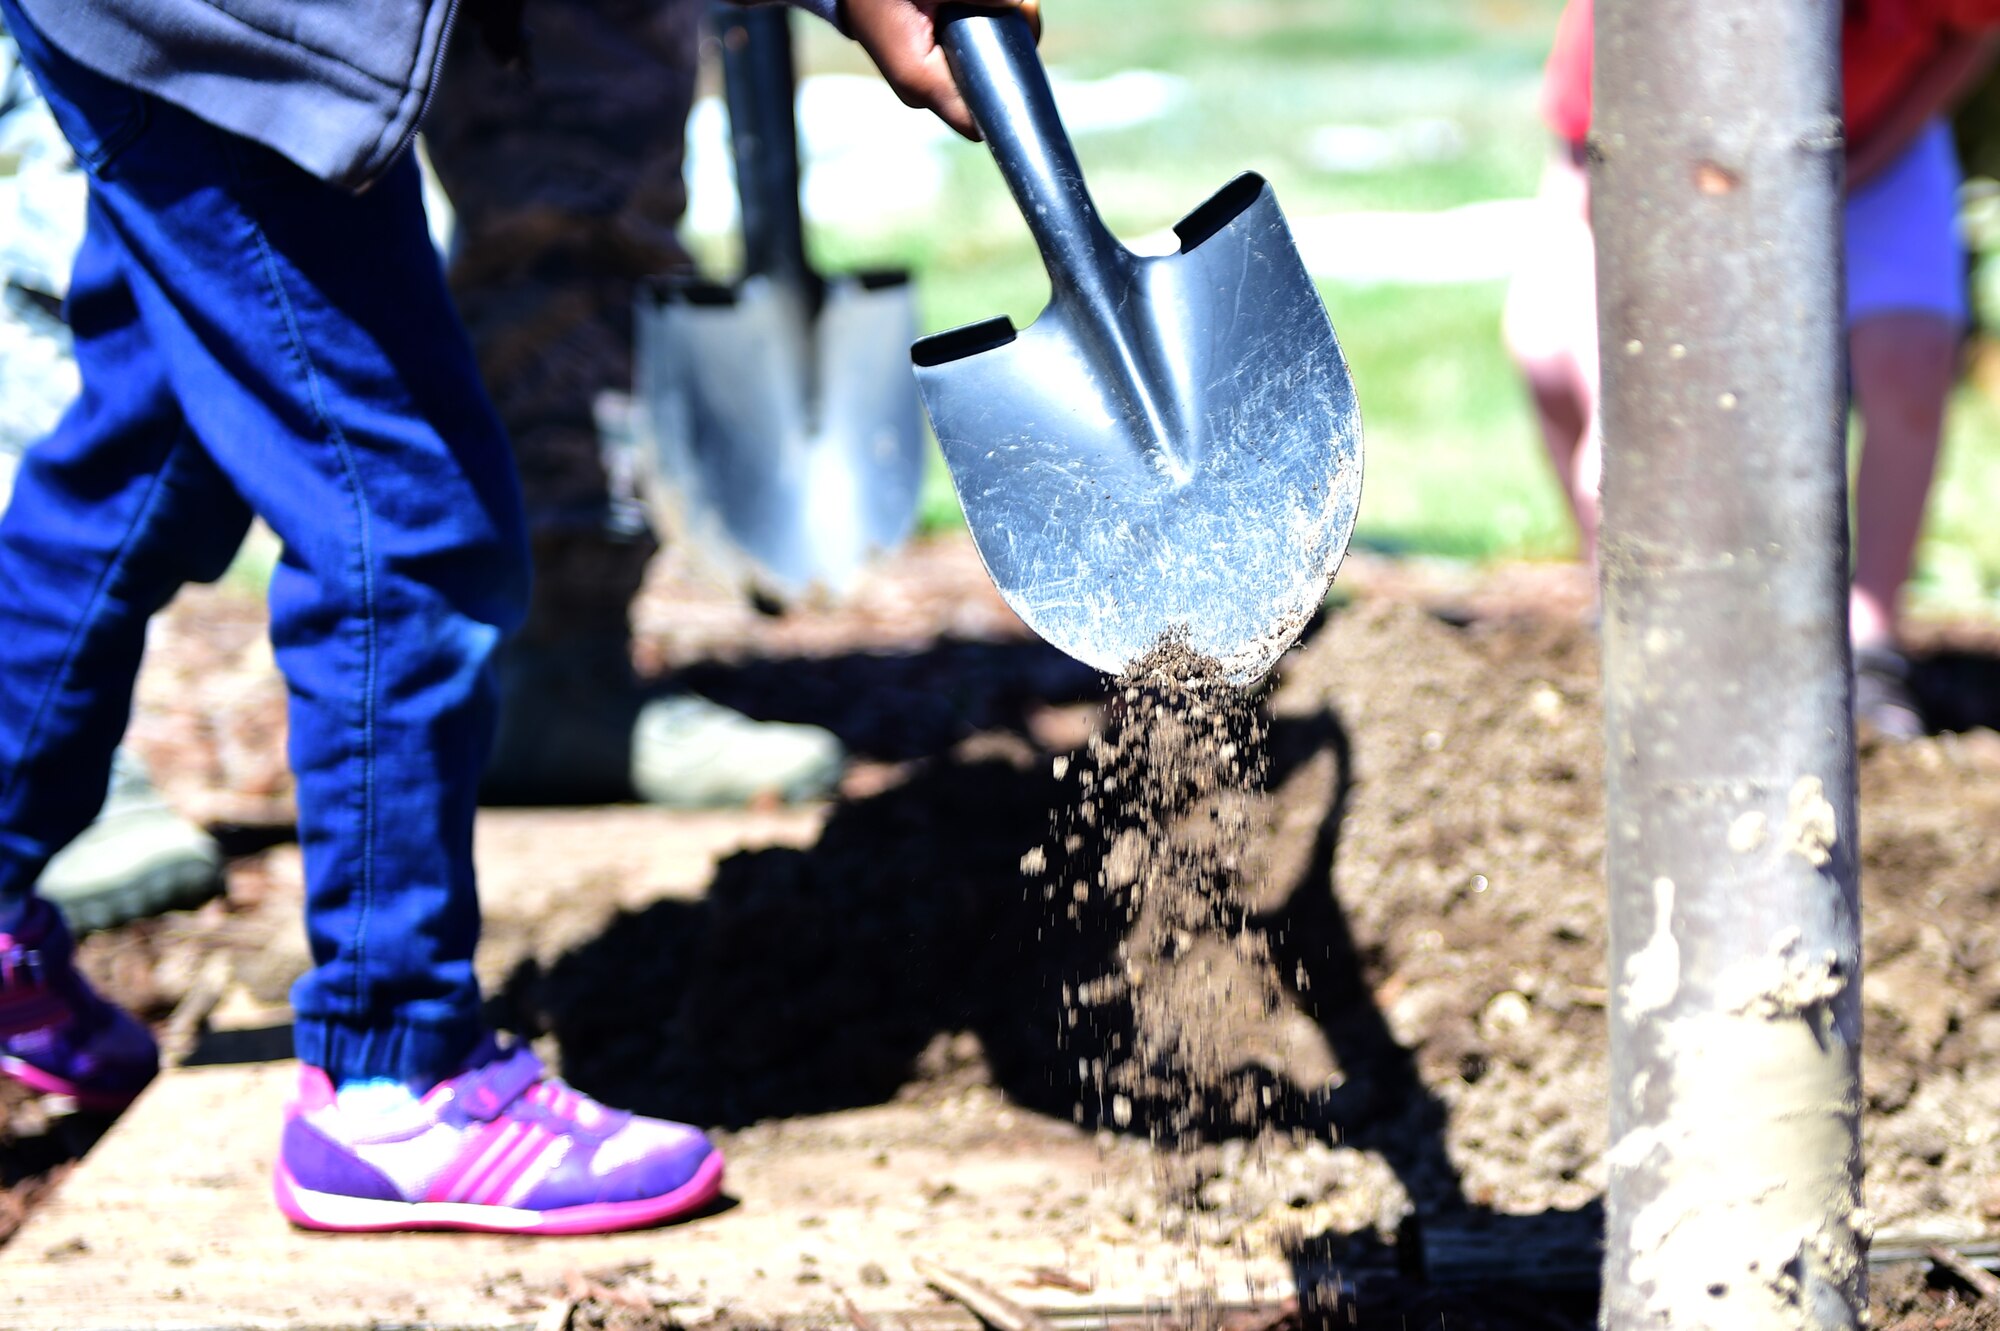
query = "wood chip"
x=1047 y=1277
x=987 y=1304
x=860 y=1321
x=581 y=1288
x=1278 y=1317
x=183 y=1028
x=1981 y=1281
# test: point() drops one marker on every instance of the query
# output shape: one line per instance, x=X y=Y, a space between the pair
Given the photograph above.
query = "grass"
x=1454 y=465
x=1958 y=564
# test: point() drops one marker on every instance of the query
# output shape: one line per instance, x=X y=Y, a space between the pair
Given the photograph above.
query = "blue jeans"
x=253 y=340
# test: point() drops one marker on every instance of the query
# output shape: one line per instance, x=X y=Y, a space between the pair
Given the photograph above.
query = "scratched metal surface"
x=1200 y=476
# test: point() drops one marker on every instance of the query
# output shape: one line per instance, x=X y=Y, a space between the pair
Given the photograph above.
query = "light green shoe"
x=690 y=753
x=138 y=859
x=575 y=729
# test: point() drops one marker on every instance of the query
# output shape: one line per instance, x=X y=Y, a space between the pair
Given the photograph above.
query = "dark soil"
x=1158 y=832
x=1418 y=894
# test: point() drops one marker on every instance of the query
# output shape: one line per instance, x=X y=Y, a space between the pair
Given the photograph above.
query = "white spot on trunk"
x=1653 y=973
x=1811 y=830
x=1747 y=832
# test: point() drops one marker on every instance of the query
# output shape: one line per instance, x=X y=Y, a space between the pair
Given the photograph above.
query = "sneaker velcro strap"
x=484 y=1093
x=22 y=967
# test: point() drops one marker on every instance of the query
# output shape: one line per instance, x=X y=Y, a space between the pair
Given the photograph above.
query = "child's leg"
x=110 y=514
x=139 y=857
x=309 y=340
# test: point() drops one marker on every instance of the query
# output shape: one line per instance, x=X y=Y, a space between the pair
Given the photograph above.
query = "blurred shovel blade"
x=784 y=450
x=1106 y=536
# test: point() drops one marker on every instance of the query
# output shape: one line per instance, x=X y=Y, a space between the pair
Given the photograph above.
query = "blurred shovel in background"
x=784 y=437
x=1173 y=446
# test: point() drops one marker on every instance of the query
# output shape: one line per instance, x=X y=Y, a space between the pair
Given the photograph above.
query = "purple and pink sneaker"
x=57 y=1034
x=502 y=1147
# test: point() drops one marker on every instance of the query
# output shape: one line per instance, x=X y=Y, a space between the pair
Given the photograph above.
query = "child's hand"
x=901 y=36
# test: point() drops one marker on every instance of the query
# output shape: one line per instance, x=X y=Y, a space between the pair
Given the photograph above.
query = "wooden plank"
x=168 y=1225
x=1552 y=1251
x=1563 y=1251
x=989 y=1305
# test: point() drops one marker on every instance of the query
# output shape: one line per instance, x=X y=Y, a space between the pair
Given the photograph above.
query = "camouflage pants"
x=566 y=178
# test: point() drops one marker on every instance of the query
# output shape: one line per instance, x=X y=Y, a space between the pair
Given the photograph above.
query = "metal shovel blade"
x=787 y=450
x=784 y=439
x=1173 y=447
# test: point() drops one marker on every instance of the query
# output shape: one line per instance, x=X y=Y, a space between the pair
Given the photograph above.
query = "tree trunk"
x=1734 y=1164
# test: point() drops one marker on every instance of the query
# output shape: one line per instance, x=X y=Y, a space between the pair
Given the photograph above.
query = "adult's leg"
x=565 y=174
x=565 y=177
x=1550 y=327
x=1906 y=308
x=1904 y=366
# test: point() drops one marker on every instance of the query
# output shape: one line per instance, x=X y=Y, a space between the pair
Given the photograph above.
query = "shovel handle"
x=992 y=56
x=760 y=85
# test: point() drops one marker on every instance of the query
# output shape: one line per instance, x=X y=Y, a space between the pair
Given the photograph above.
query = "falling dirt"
x=1165 y=788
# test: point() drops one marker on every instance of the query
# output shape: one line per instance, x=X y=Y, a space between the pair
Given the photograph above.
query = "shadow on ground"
x=906 y=949
x=36 y=1150
x=1957 y=689
x=906 y=952
x=898 y=706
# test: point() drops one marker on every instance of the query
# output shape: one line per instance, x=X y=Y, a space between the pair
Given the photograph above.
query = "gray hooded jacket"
x=338 y=86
